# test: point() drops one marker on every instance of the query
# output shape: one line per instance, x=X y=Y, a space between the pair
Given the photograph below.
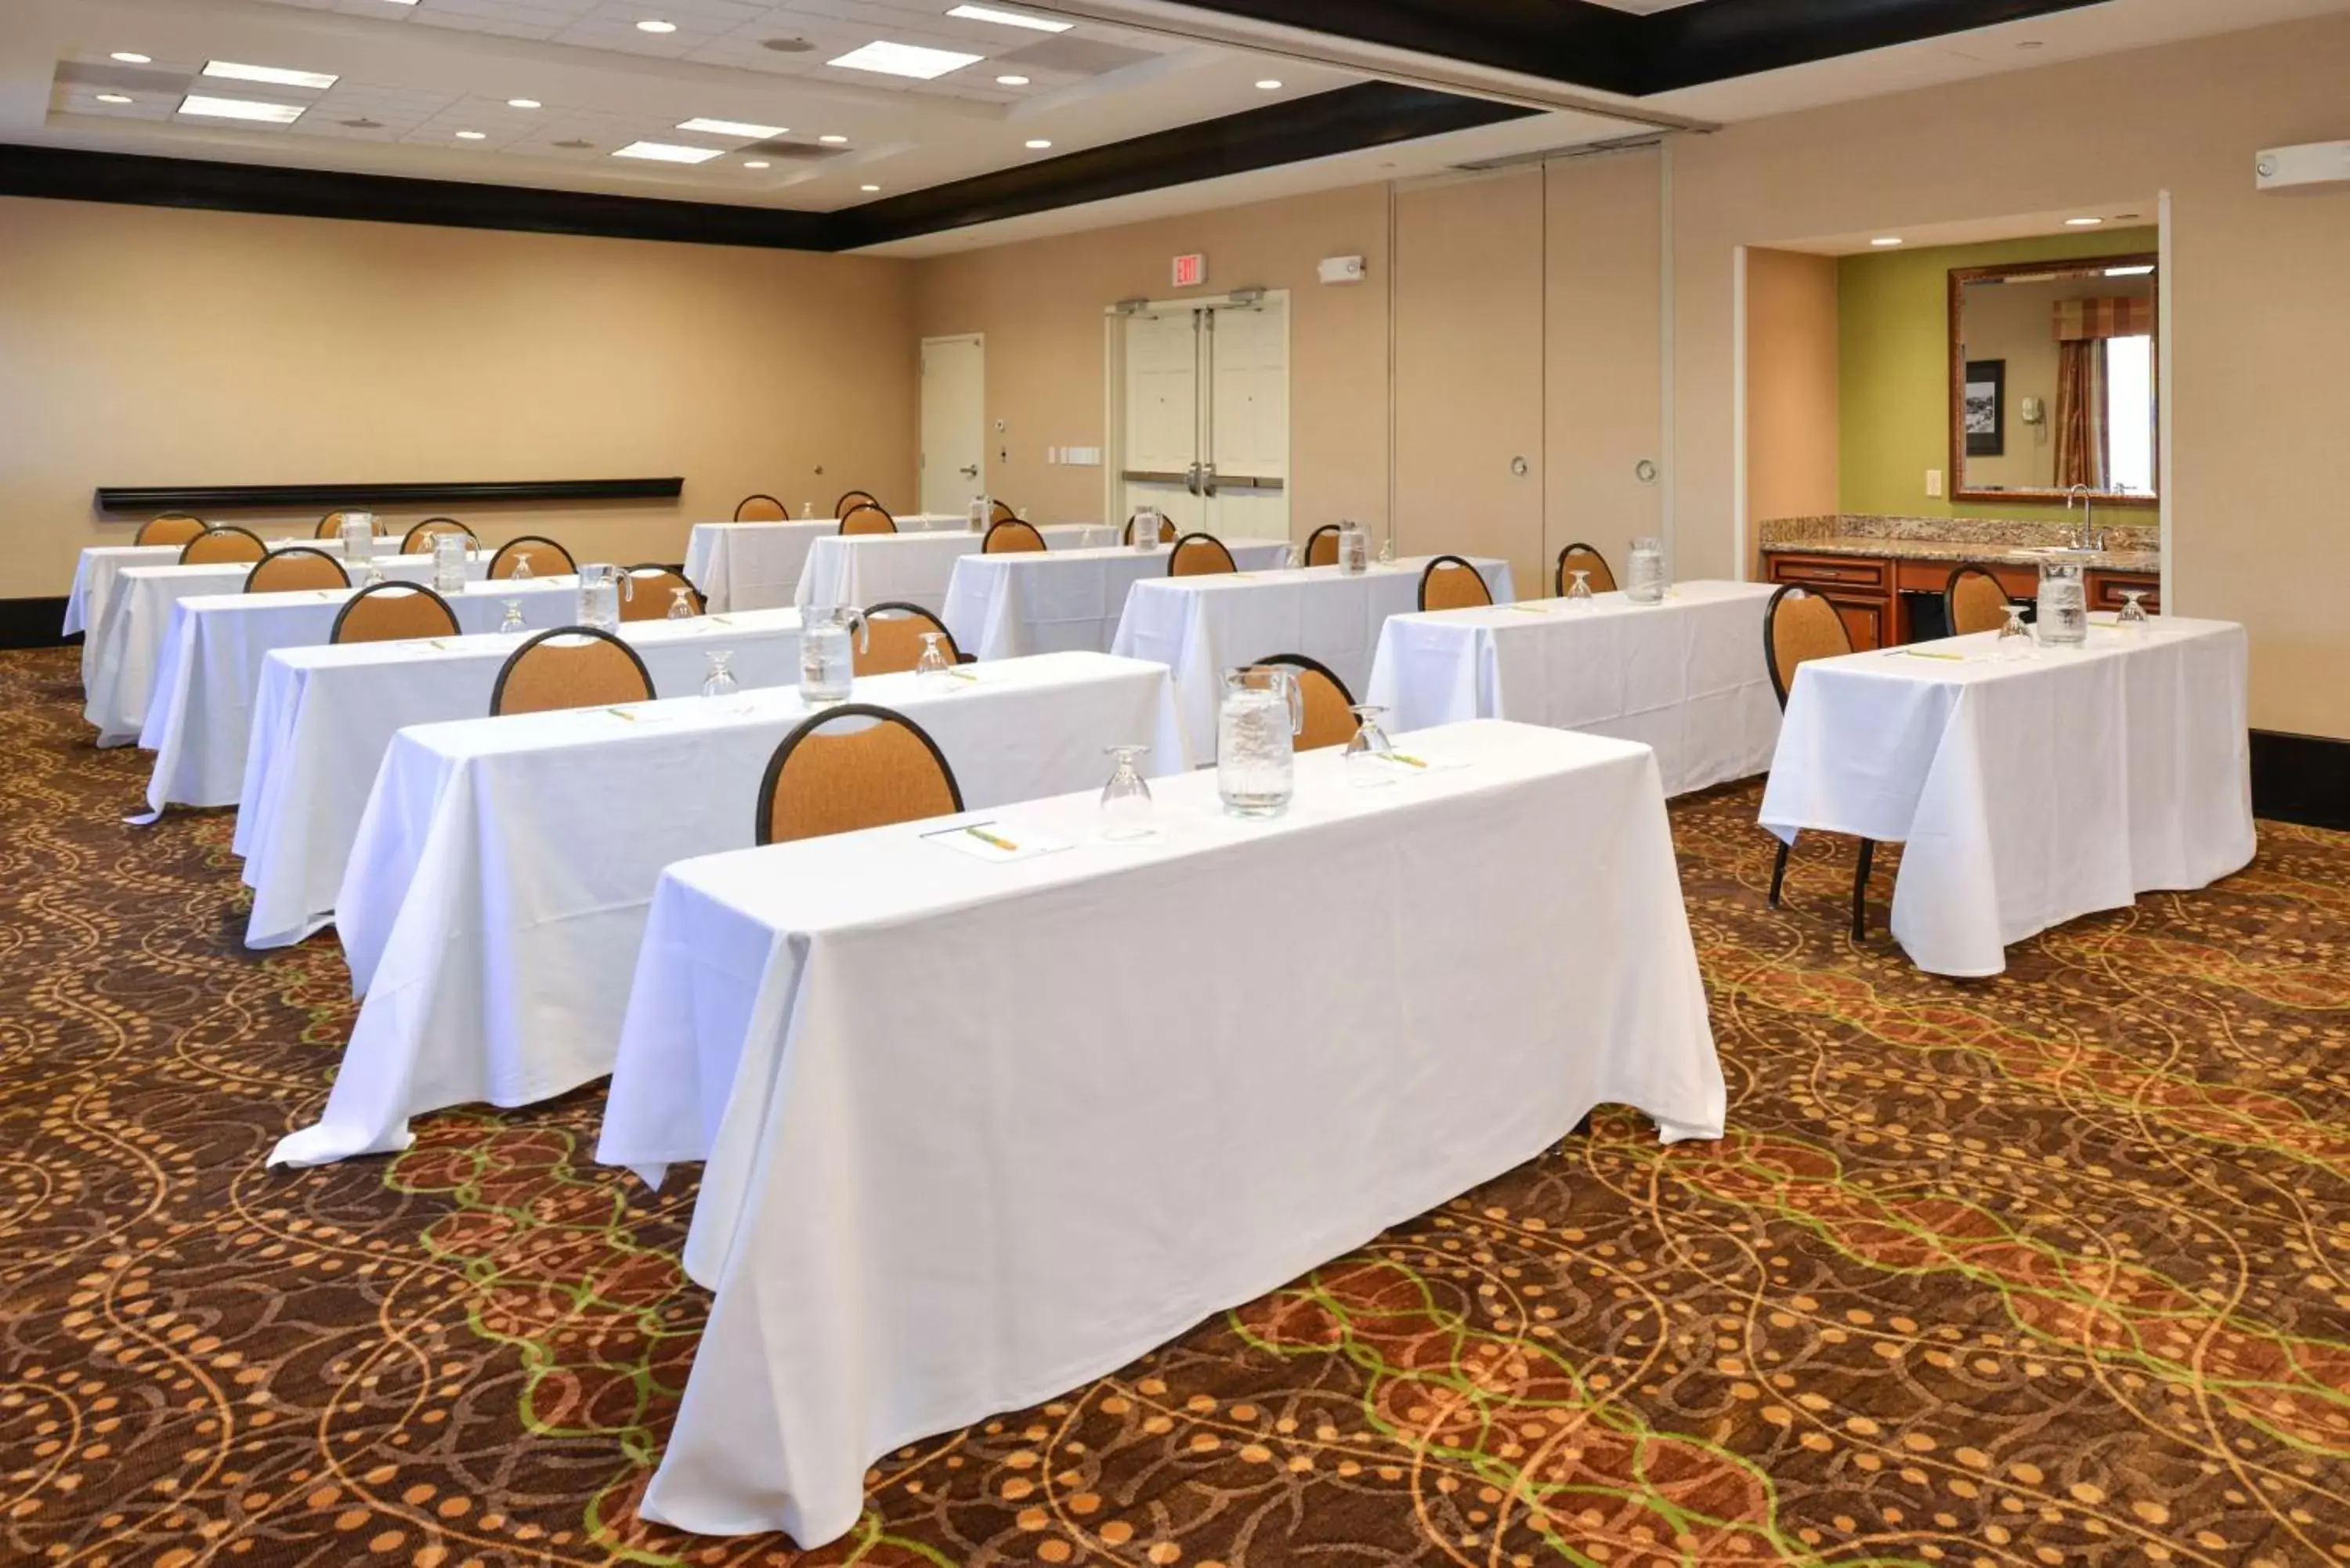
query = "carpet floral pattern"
x=2048 y=1269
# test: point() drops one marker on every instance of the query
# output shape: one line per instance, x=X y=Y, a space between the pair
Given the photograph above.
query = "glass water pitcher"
x=827 y=662
x=1257 y=725
x=1645 y=581
x=448 y=563
x=2064 y=620
x=357 y=531
x=1354 y=547
x=601 y=588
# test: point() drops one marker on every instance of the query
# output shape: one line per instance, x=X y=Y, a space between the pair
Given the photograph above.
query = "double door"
x=1205 y=420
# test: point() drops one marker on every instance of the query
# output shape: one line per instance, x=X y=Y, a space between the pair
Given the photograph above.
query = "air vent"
x=786 y=46
x=575 y=145
x=113 y=77
x=1075 y=56
x=807 y=151
x=362 y=123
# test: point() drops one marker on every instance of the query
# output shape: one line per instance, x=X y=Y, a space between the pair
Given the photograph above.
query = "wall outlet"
x=1933 y=481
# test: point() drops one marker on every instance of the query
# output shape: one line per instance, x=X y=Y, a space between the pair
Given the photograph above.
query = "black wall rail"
x=232 y=497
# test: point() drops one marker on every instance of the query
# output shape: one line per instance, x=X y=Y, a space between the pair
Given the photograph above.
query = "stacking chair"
x=1581 y=557
x=892 y=640
x=570 y=667
x=420 y=538
x=1973 y=601
x=289 y=571
x=1003 y=511
x=1166 y=529
x=1799 y=625
x=393 y=612
x=223 y=545
x=546 y=558
x=829 y=778
x=1198 y=556
x=169 y=528
x=760 y=509
x=1450 y=583
x=654 y=588
x=868 y=517
x=1322 y=545
x=850 y=502
x=330 y=526
x=1009 y=534
x=1329 y=706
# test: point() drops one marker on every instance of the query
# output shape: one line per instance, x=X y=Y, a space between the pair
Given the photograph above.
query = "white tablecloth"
x=862 y=569
x=1293 y=1034
x=1201 y=626
x=2026 y=793
x=1001 y=607
x=199 y=717
x=324 y=717
x=126 y=633
x=496 y=895
x=97 y=568
x=1685 y=676
x=756 y=565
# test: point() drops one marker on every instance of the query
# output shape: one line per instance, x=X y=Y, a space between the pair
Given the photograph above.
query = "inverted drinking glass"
x=1368 y=749
x=681 y=604
x=514 y=621
x=718 y=675
x=1126 y=810
x=2014 y=637
x=2133 y=617
x=932 y=666
x=1578 y=592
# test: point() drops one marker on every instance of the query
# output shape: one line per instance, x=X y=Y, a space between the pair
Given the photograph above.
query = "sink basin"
x=2058 y=550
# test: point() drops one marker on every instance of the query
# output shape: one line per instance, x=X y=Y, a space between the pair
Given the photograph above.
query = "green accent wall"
x=1893 y=369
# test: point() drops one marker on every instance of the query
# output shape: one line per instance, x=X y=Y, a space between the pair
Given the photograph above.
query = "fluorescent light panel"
x=668 y=152
x=240 y=109
x=278 y=75
x=2130 y=271
x=890 y=59
x=1009 y=18
x=741 y=127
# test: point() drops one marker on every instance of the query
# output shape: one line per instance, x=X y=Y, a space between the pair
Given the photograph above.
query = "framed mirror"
x=2054 y=381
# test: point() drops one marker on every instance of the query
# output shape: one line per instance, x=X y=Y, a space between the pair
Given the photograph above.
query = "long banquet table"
x=199 y=712
x=1005 y=606
x=1686 y=676
x=2029 y=793
x=865 y=569
x=98 y=568
x=903 y=1065
x=1201 y=626
x=756 y=565
x=324 y=717
x=495 y=896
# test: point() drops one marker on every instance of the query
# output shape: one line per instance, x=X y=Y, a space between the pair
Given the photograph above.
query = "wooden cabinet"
x=1861 y=590
x=2106 y=590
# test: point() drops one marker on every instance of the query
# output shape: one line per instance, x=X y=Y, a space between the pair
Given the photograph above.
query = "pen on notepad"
x=1916 y=653
x=962 y=675
x=616 y=714
x=986 y=838
x=1406 y=759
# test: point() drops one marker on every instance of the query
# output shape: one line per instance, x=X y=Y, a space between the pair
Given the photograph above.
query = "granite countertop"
x=2148 y=563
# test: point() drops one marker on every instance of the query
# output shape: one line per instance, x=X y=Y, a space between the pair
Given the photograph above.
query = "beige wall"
x=144 y=346
x=1790 y=385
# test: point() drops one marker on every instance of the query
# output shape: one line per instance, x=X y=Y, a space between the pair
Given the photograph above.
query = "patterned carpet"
x=2050 y=1269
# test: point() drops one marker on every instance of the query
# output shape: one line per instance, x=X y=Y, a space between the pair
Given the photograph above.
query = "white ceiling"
x=412 y=77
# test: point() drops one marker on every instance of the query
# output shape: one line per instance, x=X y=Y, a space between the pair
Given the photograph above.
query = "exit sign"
x=1190 y=271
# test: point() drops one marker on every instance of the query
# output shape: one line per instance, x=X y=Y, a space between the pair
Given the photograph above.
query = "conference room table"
x=1201 y=627
x=324 y=717
x=128 y=624
x=2026 y=792
x=1021 y=602
x=495 y=895
x=199 y=719
x=756 y=565
x=904 y=1065
x=1685 y=676
x=860 y=570
x=96 y=567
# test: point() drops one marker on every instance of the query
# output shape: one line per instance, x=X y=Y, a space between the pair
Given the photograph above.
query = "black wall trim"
x=229 y=497
x=2302 y=779
x=33 y=623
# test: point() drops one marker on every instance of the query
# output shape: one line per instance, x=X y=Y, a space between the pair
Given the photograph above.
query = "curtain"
x=2083 y=443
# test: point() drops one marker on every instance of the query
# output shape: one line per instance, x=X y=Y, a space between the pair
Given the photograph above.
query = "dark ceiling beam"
x=1716 y=40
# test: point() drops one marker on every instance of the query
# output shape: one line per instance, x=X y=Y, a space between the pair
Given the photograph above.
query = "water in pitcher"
x=1256 y=729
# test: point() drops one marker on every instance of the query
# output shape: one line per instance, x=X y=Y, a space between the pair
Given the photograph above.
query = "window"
x=2129 y=414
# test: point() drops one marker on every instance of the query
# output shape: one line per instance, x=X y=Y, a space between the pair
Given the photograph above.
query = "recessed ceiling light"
x=1268 y=85
x=1009 y=18
x=757 y=164
x=1886 y=241
x=471 y=135
x=1012 y=81
x=240 y=109
x=524 y=103
x=833 y=141
x=876 y=188
x=129 y=58
x=114 y=97
x=741 y=127
x=2083 y=222
x=651 y=25
x=668 y=152
x=890 y=60
x=278 y=75
x=1038 y=144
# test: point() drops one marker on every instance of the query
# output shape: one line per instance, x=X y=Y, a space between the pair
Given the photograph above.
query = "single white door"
x=954 y=422
x=1206 y=425
x=1162 y=415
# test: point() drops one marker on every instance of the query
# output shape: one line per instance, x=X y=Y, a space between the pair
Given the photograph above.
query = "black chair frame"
x=1306 y=661
x=403 y=589
x=498 y=690
x=1431 y=570
x=1221 y=548
x=1558 y=569
x=1010 y=523
x=288 y=554
x=701 y=603
x=870 y=611
x=1951 y=593
x=1778 y=689
x=873 y=506
x=1306 y=558
x=765 y=826
x=410 y=537
x=841 y=508
x=211 y=529
x=759 y=495
x=570 y=561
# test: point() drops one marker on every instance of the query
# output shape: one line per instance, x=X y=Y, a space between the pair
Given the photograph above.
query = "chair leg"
x=1778 y=873
x=1860 y=889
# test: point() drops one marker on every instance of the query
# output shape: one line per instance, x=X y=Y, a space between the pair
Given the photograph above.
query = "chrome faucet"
x=2086 y=536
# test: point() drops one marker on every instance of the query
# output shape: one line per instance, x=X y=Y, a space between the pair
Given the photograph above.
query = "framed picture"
x=1986 y=410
